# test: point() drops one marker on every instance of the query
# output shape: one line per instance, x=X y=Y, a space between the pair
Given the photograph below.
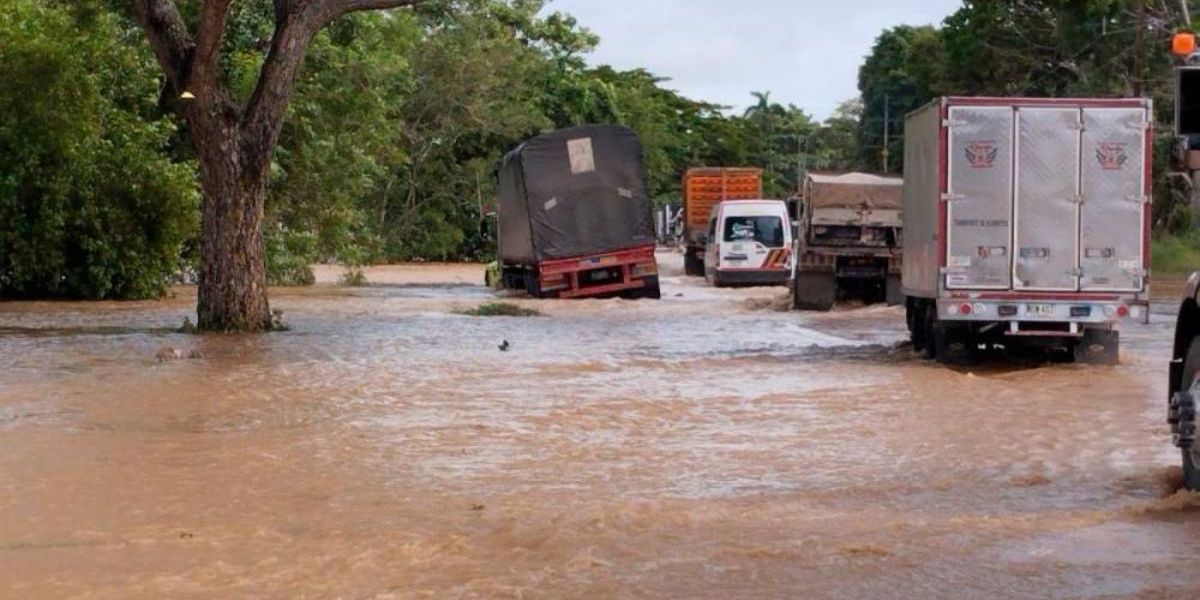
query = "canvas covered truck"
x=703 y=189
x=1026 y=221
x=575 y=216
x=848 y=240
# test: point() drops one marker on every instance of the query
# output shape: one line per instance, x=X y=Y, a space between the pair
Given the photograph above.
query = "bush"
x=289 y=257
x=90 y=207
x=500 y=309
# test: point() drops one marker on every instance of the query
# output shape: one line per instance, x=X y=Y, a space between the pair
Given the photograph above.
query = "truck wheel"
x=930 y=332
x=814 y=291
x=692 y=265
x=914 y=314
x=892 y=293
x=651 y=290
x=1098 y=347
x=533 y=286
x=1183 y=416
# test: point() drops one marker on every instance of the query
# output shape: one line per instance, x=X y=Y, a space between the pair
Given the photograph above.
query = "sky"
x=805 y=52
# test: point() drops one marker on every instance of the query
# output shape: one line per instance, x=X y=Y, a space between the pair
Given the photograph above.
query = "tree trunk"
x=233 y=278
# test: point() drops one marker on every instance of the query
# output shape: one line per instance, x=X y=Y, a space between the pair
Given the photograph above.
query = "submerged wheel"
x=651 y=290
x=1185 y=413
x=692 y=265
x=814 y=291
x=929 y=331
x=914 y=314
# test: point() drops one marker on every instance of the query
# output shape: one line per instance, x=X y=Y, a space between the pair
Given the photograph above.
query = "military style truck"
x=1026 y=221
x=848 y=240
x=575 y=216
x=703 y=189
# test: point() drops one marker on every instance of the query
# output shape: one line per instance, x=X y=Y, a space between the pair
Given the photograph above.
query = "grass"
x=1175 y=254
x=499 y=309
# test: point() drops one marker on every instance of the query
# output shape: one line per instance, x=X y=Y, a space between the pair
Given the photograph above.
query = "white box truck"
x=1026 y=221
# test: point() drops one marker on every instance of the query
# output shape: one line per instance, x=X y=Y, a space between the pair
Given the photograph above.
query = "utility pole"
x=886 y=118
x=1187 y=14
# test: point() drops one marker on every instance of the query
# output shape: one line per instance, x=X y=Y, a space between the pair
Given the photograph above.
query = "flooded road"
x=704 y=446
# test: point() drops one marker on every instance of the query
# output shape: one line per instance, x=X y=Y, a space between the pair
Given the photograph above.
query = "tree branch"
x=208 y=46
x=296 y=23
x=349 y=6
x=168 y=37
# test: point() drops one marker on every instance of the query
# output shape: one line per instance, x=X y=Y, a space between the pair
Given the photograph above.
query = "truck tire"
x=914 y=315
x=930 y=331
x=533 y=284
x=651 y=290
x=892 y=292
x=1098 y=347
x=1189 y=384
x=814 y=291
x=692 y=265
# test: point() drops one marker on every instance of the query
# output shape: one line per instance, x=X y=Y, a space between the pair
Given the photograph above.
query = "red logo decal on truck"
x=982 y=154
x=1111 y=155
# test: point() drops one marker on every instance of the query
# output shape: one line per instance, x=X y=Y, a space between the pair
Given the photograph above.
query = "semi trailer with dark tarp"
x=575 y=216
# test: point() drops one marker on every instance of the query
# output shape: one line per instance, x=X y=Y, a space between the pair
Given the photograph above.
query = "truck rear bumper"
x=753 y=276
x=598 y=274
x=1028 y=313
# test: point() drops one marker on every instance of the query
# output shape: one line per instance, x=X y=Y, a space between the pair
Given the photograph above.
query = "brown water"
x=704 y=446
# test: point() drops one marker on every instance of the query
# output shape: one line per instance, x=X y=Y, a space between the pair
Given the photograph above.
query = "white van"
x=749 y=243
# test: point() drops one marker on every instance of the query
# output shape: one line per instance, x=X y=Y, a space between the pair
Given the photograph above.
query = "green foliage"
x=289 y=256
x=1175 y=254
x=89 y=205
x=500 y=309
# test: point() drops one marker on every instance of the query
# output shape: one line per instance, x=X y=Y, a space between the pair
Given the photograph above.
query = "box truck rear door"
x=1047 y=206
x=1114 y=200
x=979 y=197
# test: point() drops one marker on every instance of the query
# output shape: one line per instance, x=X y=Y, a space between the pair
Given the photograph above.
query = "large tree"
x=235 y=141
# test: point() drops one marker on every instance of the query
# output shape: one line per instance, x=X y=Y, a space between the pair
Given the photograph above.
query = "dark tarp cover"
x=574 y=192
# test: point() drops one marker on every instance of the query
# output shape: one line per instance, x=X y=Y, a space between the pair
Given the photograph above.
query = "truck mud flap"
x=1098 y=347
x=814 y=291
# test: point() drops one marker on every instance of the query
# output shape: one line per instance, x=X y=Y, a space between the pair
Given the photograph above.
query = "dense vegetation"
x=390 y=145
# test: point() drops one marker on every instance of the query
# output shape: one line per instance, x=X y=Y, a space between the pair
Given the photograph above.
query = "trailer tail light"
x=965 y=309
x=1122 y=311
x=1081 y=311
x=554 y=281
x=1007 y=310
x=644 y=269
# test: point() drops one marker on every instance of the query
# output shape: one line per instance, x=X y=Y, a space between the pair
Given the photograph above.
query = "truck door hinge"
x=1078 y=199
x=953 y=122
x=1138 y=199
x=948 y=197
x=1075 y=272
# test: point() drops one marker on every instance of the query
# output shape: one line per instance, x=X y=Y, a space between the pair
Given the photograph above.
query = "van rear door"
x=979 y=197
x=1114 y=206
x=1047 y=206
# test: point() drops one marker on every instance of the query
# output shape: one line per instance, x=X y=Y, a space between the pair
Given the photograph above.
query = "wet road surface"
x=704 y=446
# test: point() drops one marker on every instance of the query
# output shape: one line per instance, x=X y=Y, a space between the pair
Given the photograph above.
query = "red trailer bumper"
x=599 y=274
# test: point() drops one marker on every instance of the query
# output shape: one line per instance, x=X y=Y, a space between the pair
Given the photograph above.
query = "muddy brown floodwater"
x=703 y=446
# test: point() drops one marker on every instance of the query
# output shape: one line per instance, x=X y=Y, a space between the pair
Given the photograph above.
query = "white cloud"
x=805 y=52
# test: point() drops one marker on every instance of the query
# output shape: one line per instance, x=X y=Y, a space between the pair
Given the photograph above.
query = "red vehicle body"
x=622 y=271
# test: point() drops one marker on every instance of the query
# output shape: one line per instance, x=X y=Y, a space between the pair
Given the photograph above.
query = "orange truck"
x=704 y=188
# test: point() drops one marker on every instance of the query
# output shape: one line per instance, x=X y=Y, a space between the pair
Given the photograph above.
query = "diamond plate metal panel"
x=1047 y=208
x=1113 y=172
x=979 y=193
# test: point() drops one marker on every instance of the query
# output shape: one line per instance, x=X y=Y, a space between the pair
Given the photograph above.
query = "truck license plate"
x=1039 y=310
